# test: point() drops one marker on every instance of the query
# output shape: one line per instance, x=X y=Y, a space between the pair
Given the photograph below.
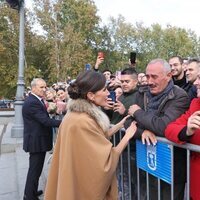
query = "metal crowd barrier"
x=125 y=169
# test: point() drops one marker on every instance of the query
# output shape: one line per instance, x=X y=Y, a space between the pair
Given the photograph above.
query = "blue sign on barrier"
x=156 y=160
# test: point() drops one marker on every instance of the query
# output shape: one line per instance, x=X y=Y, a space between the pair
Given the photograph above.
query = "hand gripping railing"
x=127 y=191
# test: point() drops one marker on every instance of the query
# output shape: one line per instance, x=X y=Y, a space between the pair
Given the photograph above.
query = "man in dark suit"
x=37 y=135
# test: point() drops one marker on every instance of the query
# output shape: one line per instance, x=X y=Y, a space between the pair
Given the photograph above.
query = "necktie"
x=42 y=100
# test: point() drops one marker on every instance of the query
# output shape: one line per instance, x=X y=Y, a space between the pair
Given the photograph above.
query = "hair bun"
x=73 y=91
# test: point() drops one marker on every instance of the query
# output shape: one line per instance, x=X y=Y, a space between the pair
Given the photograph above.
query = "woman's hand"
x=193 y=123
x=117 y=126
x=121 y=123
x=130 y=131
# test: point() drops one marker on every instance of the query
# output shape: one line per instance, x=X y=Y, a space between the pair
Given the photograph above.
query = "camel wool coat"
x=84 y=161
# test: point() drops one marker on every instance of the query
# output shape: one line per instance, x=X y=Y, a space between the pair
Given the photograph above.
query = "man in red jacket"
x=187 y=129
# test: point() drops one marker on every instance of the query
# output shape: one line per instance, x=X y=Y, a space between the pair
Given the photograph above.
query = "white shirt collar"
x=36 y=96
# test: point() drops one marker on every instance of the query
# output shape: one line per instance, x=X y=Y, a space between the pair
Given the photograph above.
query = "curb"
x=2 y=131
x=9 y=144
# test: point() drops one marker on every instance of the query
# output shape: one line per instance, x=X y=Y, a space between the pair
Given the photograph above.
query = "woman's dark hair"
x=60 y=89
x=88 y=81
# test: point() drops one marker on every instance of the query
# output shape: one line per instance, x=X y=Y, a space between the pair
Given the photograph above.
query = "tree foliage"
x=8 y=50
x=61 y=36
x=69 y=30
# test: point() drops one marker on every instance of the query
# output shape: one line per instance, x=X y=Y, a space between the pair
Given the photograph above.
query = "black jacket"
x=37 y=126
x=128 y=99
x=175 y=104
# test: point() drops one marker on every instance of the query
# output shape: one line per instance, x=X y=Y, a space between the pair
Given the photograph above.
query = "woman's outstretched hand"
x=121 y=123
x=130 y=131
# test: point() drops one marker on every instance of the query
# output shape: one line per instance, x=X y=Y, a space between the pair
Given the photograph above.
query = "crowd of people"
x=162 y=101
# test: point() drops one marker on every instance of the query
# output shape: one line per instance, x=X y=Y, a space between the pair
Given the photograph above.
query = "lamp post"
x=18 y=126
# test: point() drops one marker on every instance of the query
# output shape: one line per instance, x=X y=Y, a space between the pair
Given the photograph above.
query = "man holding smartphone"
x=129 y=97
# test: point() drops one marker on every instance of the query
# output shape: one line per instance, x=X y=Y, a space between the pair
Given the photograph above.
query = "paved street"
x=14 y=166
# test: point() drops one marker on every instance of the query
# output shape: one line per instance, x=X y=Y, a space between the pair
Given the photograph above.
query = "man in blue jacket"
x=37 y=135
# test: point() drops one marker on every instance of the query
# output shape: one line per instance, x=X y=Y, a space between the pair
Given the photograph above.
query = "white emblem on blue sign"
x=151 y=157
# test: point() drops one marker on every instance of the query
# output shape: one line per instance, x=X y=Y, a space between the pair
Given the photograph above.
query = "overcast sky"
x=180 y=13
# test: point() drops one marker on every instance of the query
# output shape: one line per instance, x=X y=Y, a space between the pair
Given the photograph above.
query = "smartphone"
x=112 y=95
x=133 y=57
x=101 y=54
x=87 y=66
x=118 y=74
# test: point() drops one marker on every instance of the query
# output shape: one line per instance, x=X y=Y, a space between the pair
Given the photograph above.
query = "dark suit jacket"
x=37 y=126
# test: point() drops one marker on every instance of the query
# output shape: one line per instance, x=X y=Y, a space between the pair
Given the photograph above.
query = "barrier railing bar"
x=172 y=171
x=147 y=176
x=138 y=183
x=159 y=197
x=129 y=172
x=191 y=147
x=121 y=169
x=188 y=176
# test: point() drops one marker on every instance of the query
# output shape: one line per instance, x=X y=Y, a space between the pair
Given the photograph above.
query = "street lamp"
x=18 y=126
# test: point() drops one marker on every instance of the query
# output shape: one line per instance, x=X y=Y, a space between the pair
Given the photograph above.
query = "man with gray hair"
x=37 y=135
x=163 y=103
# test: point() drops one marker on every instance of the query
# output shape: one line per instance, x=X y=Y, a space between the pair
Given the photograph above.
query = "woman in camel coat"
x=84 y=161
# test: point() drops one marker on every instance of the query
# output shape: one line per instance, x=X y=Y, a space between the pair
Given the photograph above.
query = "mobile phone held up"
x=87 y=66
x=112 y=95
x=100 y=54
x=133 y=57
x=118 y=74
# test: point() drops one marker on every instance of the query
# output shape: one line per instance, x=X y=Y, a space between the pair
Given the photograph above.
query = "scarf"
x=155 y=100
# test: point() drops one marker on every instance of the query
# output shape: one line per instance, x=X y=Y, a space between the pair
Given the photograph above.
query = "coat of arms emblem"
x=151 y=157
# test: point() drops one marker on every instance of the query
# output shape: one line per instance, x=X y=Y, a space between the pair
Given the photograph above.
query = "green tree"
x=149 y=42
x=155 y=42
x=69 y=35
x=9 y=46
x=69 y=27
x=9 y=50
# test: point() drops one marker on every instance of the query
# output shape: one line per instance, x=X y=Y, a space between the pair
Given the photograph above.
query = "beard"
x=177 y=75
